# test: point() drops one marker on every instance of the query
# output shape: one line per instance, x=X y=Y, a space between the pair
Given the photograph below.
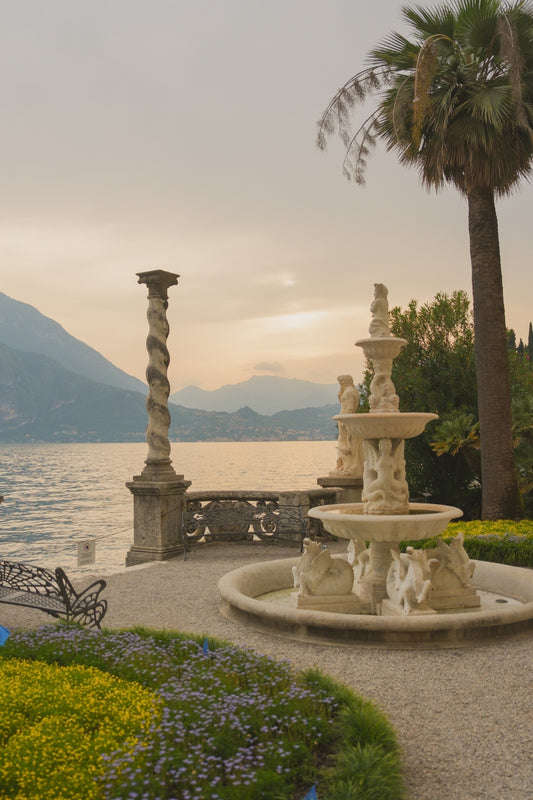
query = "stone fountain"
x=373 y=593
x=385 y=517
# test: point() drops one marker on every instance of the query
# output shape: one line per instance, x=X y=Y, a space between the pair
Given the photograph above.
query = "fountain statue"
x=349 y=447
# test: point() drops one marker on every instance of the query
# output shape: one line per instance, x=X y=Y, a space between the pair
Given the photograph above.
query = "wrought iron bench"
x=238 y=520
x=51 y=592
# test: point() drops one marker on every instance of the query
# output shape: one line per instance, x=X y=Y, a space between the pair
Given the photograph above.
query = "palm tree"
x=456 y=102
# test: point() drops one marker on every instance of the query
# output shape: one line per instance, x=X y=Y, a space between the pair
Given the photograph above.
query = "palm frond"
x=363 y=141
x=394 y=51
x=488 y=107
x=338 y=114
x=430 y=22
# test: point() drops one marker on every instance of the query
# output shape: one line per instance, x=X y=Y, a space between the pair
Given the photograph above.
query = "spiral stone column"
x=158 y=491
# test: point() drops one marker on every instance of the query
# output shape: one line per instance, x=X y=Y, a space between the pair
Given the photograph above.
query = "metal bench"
x=51 y=592
x=225 y=520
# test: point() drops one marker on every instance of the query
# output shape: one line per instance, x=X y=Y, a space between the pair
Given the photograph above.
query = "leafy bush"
x=228 y=724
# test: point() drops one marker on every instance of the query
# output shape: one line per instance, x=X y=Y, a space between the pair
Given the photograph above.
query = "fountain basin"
x=381 y=347
x=348 y=521
x=404 y=425
x=510 y=612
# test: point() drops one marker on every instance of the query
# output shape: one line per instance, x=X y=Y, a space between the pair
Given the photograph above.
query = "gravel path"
x=463 y=715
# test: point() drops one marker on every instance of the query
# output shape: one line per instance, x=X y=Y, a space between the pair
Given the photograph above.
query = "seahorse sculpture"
x=409 y=584
x=317 y=573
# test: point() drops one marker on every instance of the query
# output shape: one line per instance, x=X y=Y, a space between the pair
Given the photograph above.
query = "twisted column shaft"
x=158 y=464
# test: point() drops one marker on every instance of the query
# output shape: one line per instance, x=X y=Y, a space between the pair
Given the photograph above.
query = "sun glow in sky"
x=166 y=134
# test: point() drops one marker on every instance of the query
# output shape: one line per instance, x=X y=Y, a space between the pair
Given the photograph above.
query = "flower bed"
x=210 y=721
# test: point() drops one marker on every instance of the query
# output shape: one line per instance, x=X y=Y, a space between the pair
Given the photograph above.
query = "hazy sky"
x=143 y=134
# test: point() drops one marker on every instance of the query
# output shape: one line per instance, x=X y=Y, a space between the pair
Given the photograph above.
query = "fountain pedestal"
x=372 y=587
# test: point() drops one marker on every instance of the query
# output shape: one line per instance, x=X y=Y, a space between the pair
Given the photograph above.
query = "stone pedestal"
x=337 y=604
x=349 y=488
x=157 y=519
x=390 y=609
x=455 y=599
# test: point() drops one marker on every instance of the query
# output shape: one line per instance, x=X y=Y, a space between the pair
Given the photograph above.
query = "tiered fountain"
x=373 y=593
x=385 y=517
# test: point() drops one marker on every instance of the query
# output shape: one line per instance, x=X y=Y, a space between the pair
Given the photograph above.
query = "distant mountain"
x=24 y=328
x=42 y=401
x=265 y=394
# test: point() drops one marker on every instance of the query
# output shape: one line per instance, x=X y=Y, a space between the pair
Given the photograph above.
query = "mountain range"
x=266 y=394
x=55 y=388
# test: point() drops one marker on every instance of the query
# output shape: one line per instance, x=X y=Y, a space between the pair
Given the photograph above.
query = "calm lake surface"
x=56 y=495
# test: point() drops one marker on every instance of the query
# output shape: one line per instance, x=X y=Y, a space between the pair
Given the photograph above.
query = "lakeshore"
x=462 y=714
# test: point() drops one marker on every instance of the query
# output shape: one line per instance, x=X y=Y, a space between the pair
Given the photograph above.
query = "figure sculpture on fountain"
x=383 y=395
x=350 y=456
x=385 y=486
x=379 y=324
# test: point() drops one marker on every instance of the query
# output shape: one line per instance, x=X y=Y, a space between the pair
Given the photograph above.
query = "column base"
x=142 y=555
x=158 y=508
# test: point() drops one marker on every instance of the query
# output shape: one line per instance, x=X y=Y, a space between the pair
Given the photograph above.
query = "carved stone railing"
x=238 y=516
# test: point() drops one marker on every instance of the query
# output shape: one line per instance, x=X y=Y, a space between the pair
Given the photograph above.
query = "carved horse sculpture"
x=455 y=567
x=409 y=587
x=317 y=573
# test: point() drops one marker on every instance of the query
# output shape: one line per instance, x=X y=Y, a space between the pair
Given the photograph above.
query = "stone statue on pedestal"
x=349 y=447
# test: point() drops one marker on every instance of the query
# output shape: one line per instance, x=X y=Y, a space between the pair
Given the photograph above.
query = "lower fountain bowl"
x=507 y=609
x=348 y=521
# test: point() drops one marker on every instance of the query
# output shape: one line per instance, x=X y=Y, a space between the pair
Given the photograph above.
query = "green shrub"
x=502 y=541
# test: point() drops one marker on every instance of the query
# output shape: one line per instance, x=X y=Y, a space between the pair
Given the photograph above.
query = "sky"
x=164 y=134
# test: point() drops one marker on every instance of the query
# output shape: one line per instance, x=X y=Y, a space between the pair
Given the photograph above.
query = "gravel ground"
x=463 y=715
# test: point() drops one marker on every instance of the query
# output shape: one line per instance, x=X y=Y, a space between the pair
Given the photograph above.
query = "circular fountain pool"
x=247 y=596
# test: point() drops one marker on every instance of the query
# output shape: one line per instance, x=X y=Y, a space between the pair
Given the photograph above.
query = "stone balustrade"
x=279 y=517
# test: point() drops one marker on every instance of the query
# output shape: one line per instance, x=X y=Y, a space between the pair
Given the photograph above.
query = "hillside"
x=24 y=328
x=42 y=401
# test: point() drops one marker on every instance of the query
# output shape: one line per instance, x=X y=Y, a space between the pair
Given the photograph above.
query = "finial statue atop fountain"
x=379 y=324
x=381 y=348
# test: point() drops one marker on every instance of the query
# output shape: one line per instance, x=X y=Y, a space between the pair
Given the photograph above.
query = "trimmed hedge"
x=503 y=541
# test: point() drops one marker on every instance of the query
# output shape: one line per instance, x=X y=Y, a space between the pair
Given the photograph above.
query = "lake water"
x=56 y=495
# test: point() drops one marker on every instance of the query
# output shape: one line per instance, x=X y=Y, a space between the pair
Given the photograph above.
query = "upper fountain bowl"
x=380 y=347
x=393 y=425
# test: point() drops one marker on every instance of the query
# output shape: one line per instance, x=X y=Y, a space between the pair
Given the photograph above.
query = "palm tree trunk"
x=501 y=498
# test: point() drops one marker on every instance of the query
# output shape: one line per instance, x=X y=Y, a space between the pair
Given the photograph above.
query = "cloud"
x=269 y=366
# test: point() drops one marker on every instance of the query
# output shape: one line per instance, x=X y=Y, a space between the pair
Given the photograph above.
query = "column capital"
x=158 y=282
